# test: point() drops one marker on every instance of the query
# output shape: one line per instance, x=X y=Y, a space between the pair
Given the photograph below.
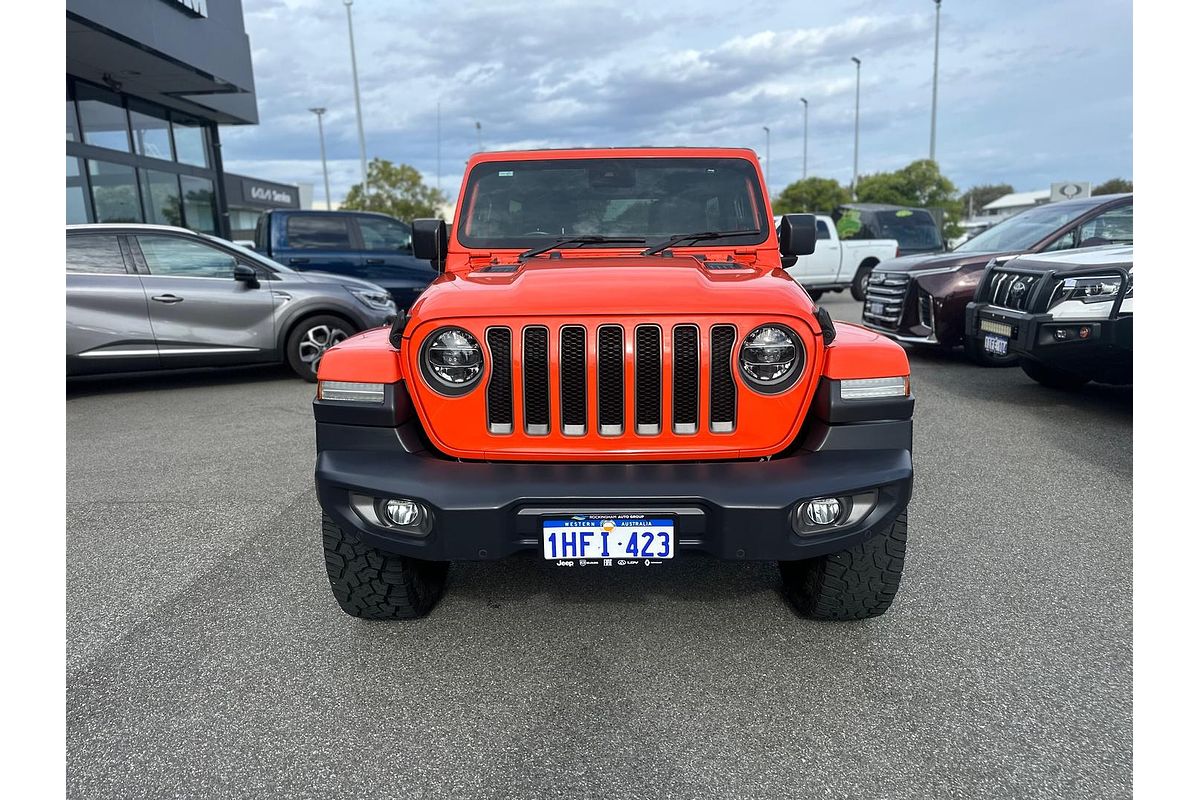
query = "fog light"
x=403 y=513
x=823 y=511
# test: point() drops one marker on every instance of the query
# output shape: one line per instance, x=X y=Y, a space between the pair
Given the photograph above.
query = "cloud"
x=596 y=73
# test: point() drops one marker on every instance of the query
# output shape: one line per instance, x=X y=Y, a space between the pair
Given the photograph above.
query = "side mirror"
x=798 y=234
x=430 y=242
x=245 y=274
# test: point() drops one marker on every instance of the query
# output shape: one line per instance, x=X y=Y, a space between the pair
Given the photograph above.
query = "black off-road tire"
x=858 y=289
x=1049 y=376
x=371 y=584
x=307 y=341
x=857 y=583
x=974 y=348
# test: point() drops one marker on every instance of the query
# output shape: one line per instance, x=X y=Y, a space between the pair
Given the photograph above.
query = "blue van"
x=362 y=244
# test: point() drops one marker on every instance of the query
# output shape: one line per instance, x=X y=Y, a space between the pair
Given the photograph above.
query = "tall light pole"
x=937 y=31
x=362 y=140
x=768 y=169
x=804 y=163
x=439 y=146
x=857 y=84
x=479 y=136
x=324 y=165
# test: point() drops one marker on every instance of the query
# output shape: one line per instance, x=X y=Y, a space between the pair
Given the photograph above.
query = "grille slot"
x=648 y=379
x=536 y=360
x=722 y=390
x=610 y=380
x=499 y=387
x=1013 y=290
x=685 y=379
x=572 y=360
x=884 y=305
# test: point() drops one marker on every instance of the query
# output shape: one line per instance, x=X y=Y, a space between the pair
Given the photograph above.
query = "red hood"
x=613 y=286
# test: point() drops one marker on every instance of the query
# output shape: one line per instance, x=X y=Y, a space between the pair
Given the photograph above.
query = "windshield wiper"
x=578 y=240
x=695 y=237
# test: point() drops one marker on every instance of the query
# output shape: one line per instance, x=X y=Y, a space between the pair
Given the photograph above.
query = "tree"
x=977 y=197
x=815 y=195
x=1113 y=186
x=922 y=185
x=396 y=189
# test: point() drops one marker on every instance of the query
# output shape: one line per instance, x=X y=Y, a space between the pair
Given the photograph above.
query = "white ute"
x=839 y=264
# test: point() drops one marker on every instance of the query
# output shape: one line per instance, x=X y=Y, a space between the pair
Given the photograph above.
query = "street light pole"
x=324 y=165
x=768 y=170
x=804 y=162
x=857 y=85
x=439 y=146
x=937 y=31
x=479 y=136
x=362 y=140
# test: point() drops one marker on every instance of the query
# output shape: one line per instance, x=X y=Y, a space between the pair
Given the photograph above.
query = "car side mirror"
x=798 y=234
x=430 y=242
x=245 y=274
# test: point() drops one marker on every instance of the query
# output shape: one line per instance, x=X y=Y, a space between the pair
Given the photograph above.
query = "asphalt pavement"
x=206 y=657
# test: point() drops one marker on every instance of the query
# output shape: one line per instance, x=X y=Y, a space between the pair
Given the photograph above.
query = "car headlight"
x=452 y=361
x=1095 y=288
x=771 y=359
x=380 y=301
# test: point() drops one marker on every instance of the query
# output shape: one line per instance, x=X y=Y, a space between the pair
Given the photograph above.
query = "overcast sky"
x=1030 y=91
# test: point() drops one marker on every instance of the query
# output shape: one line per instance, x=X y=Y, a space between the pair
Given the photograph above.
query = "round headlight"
x=452 y=361
x=772 y=358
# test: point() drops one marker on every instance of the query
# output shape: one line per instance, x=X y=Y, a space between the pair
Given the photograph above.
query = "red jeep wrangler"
x=613 y=369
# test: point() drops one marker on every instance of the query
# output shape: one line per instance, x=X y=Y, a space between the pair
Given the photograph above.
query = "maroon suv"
x=922 y=299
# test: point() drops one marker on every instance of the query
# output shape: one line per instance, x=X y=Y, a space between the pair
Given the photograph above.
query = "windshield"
x=250 y=255
x=528 y=204
x=912 y=230
x=1022 y=231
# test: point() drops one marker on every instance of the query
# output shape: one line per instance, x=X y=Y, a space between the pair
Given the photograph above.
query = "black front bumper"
x=1105 y=351
x=731 y=510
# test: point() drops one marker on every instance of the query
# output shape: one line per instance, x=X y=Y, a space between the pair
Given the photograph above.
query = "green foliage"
x=922 y=185
x=977 y=197
x=1113 y=186
x=396 y=189
x=813 y=195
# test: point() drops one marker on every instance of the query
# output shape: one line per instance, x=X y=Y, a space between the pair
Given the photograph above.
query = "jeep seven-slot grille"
x=651 y=412
x=537 y=381
x=885 y=299
x=1012 y=290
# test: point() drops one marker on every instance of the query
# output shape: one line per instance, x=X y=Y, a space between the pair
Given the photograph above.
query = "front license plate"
x=995 y=344
x=608 y=539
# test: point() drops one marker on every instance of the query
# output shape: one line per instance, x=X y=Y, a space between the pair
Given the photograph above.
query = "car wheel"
x=373 y=584
x=857 y=583
x=310 y=339
x=858 y=289
x=983 y=358
x=1050 y=376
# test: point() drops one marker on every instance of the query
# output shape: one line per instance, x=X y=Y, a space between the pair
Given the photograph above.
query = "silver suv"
x=145 y=297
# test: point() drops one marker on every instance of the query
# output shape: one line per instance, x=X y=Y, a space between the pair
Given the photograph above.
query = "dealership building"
x=148 y=83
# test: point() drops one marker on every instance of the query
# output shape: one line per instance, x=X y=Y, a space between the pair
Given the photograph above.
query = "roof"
x=1018 y=199
x=613 y=152
x=124 y=226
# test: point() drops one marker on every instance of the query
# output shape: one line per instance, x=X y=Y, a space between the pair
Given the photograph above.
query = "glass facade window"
x=114 y=192
x=191 y=143
x=199 y=204
x=103 y=119
x=151 y=131
x=72 y=120
x=76 y=196
x=161 y=198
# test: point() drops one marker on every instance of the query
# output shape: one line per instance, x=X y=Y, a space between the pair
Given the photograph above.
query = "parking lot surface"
x=206 y=656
